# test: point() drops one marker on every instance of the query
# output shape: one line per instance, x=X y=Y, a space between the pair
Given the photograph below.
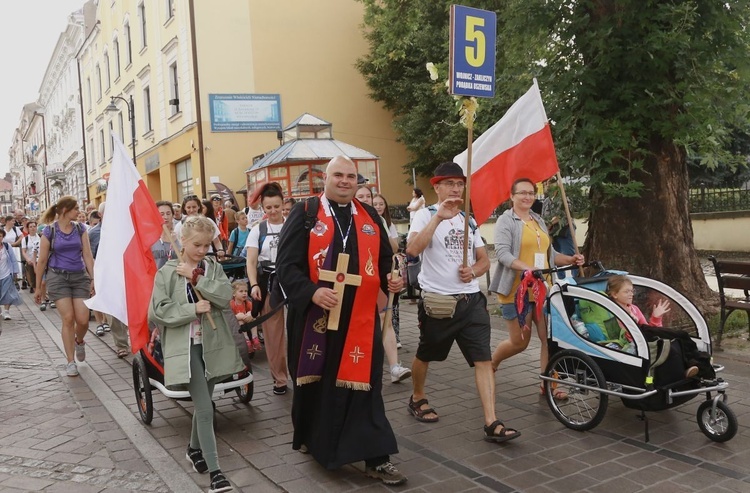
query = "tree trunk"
x=652 y=236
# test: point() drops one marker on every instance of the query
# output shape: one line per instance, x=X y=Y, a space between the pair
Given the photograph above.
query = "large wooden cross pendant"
x=340 y=278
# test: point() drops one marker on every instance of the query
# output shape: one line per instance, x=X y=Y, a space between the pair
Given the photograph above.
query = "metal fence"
x=704 y=199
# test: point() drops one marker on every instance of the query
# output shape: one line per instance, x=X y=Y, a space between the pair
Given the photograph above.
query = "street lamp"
x=131 y=117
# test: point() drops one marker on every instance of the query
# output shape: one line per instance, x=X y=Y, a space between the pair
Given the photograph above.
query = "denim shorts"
x=509 y=310
x=66 y=284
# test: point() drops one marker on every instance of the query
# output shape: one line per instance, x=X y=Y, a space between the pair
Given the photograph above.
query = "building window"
x=98 y=83
x=174 y=90
x=111 y=138
x=128 y=46
x=142 y=19
x=120 y=126
x=170 y=9
x=102 y=147
x=106 y=69
x=116 y=52
x=184 y=173
x=92 y=153
x=88 y=93
x=147 y=108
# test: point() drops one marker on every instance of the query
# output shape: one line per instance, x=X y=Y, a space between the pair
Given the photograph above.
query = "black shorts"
x=469 y=327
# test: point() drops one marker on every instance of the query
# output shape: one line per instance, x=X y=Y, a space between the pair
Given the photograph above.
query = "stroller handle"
x=540 y=273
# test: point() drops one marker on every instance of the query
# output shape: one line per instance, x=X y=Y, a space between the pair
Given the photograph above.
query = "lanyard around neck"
x=535 y=230
x=344 y=237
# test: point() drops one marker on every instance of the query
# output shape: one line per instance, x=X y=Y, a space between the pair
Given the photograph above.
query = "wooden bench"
x=732 y=274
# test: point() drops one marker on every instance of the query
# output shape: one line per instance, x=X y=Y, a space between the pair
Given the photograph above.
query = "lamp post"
x=131 y=117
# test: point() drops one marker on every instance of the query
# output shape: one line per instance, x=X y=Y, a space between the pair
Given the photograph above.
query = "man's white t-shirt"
x=30 y=244
x=270 y=247
x=254 y=215
x=445 y=254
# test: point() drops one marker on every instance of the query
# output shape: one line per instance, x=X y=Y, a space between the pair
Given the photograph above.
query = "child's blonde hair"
x=239 y=215
x=616 y=283
x=194 y=225
x=236 y=285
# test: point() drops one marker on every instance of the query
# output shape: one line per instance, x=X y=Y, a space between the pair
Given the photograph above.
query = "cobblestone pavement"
x=78 y=438
x=55 y=434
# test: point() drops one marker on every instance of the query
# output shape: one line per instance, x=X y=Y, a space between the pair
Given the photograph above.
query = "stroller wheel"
x=245 y=393
x=719 y=428
x=142 y=388
x=584 y=409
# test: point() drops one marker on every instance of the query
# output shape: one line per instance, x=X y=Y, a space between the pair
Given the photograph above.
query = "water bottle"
x=579 y=326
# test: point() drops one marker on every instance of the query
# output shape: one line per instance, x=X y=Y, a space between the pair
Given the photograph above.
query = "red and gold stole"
x=356 y=359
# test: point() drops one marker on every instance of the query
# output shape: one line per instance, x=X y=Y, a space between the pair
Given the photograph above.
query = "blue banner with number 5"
x=472 y=52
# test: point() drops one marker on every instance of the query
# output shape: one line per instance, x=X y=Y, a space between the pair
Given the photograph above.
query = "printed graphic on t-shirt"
x=454 y=245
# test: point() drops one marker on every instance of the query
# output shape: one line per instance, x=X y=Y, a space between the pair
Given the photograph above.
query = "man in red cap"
x=452 y=307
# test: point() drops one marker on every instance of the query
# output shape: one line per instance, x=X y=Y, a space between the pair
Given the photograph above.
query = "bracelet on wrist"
x=254 y=285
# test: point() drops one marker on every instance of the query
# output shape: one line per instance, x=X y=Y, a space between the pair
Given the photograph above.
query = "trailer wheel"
x=584 y=408
x=245 y=393
x=142 y=388
x=719 y=428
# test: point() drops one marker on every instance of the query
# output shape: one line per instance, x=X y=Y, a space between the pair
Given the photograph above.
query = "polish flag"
x=124 y=269
x=518 y=146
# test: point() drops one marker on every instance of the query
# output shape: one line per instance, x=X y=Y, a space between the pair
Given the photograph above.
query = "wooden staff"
x=179 y=257
x=467 y=203
x=388 y=319
x=571 y=229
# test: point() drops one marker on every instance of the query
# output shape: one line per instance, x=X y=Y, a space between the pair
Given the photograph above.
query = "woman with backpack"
x=65 y=256
x=262 y=247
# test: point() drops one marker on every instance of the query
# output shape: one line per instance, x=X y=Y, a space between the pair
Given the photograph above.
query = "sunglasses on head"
x=189 y=197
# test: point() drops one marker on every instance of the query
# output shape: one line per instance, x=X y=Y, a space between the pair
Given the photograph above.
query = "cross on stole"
x=340 y=278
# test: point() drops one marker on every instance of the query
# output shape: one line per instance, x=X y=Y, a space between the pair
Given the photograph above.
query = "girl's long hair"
x=65 y=204
x=386 y=212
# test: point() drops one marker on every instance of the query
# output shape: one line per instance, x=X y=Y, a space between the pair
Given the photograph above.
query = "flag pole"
x=467 y=202
x=571 y=229
x=179 y=257
x=388 y=318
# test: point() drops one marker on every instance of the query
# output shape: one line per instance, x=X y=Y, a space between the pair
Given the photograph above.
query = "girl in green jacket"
x=195 y=354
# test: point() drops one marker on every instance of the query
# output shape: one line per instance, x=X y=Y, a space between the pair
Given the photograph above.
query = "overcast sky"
x=29 y=30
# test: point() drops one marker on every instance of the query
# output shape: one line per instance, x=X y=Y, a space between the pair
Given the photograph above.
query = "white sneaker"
x=398 y=345
x=71 y=369
x=80 y=350
x=399 y=373
x=6 y=315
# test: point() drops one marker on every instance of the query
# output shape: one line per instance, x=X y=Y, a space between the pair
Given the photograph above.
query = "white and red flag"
x=518 y=146
x=124 y=269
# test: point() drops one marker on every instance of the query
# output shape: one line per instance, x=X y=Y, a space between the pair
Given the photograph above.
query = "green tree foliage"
x=404 y=36
x=626 y=75
x=615 y=75
x=635 y=90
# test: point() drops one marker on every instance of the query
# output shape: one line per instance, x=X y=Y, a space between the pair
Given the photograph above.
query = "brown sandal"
x=415 y=409
x=504 y=435
x=121 y=353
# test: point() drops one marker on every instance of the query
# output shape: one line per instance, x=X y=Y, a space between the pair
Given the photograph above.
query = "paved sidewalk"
x=55 y=434
x=255 y=439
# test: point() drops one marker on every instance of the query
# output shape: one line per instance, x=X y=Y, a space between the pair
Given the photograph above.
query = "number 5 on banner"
x=475 y=54
x=472 y=52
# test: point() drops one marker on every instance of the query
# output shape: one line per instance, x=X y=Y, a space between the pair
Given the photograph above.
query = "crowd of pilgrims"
x=332 y=419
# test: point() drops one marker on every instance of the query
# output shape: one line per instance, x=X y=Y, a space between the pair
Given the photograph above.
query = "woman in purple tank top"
x=65 y=258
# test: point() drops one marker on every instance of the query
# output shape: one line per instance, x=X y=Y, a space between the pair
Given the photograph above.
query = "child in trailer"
x=242 y=309
x=196 y=355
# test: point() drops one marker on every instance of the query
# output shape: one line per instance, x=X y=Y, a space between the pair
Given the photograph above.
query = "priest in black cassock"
x=338 y=412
